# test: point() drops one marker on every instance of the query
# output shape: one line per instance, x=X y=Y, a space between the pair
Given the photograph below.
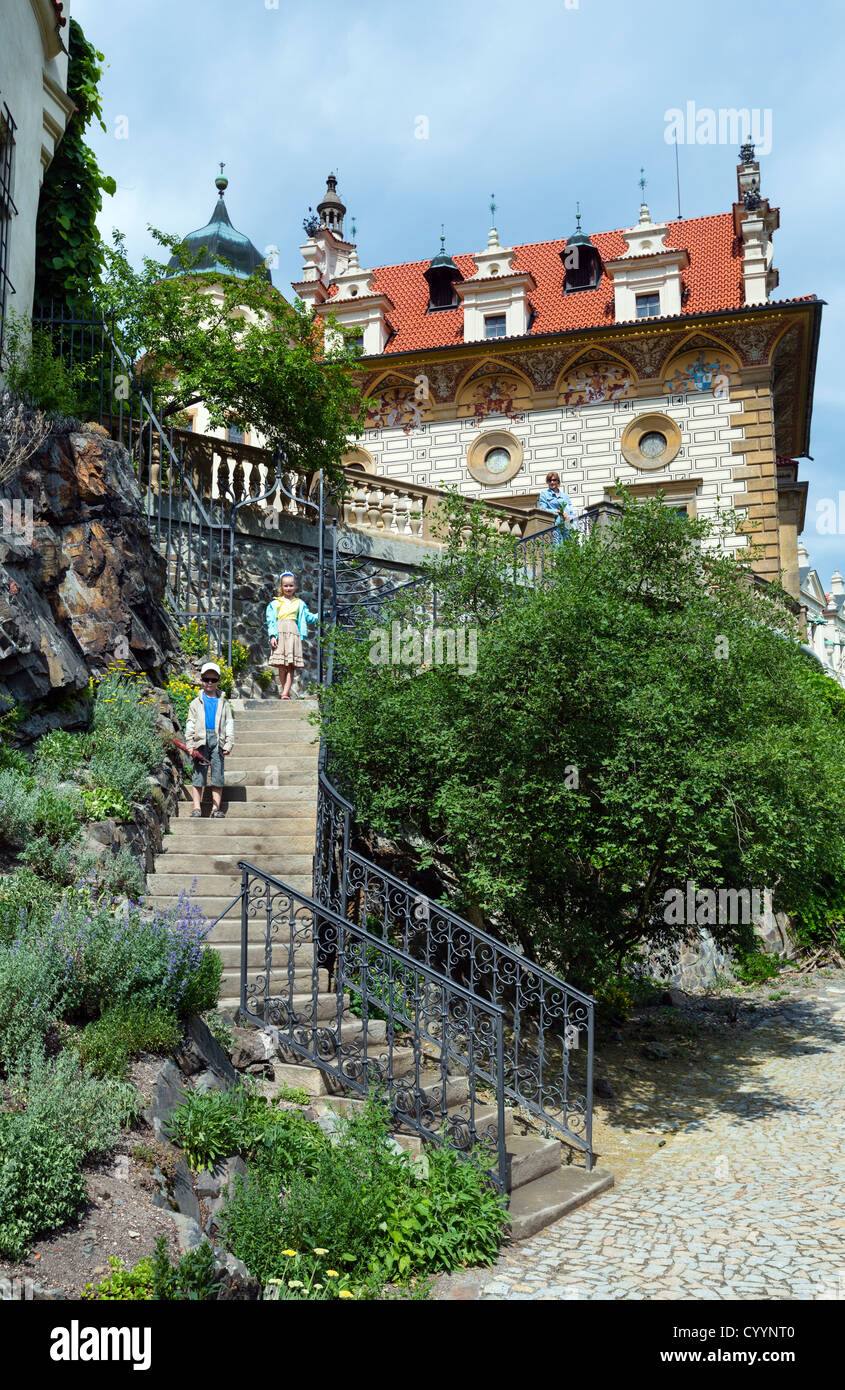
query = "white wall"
x=580 y=443
x=33 y=79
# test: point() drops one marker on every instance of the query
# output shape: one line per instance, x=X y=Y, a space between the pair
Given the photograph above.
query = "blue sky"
x=544 y=103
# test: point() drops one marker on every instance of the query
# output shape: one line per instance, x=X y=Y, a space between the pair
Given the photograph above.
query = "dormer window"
x=442 y=275
x=495 y=325
x=648 y=306
x=581 y=262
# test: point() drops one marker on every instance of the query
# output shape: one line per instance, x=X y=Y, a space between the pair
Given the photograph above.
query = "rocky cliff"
x=81 y=583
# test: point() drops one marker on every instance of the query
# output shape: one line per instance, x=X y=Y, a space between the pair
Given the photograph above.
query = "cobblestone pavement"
x=744 y=1204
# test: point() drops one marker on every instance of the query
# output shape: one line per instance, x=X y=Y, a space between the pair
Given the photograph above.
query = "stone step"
x=530 y=1157
x=255 y=793
x=253 y=817
x=308 y=702
x=201 y=862
x=234 y=845
x=281 y=719
x=486 y=1117
x=279 y=777
x=212 y=885
x=296 y=740
x=212 y=906
x=545 y=1199
x=279 y=758
x=228 y=932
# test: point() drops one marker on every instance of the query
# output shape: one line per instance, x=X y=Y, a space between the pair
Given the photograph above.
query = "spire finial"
x=442 y=237
x=221 y=183
x=645 y=215
x=642 y=181
x=354 y=227
x=578 y=216
x=493 y=208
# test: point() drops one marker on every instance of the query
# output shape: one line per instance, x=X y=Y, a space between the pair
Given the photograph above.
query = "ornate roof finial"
x=221 y=183
x=442 y=238
x=746 y=152
x=645 y=215
x=354 y=228
x=577 y=217
x=493 y=208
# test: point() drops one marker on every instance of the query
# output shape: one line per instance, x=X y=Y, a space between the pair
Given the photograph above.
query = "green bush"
x=107 y=1043
x=67 y=1116
x=25 y=896
x=159 y=959
x=194 y=639
x=125 y=745
x=13 y=759
x=191 y=1279
x=60 y=752
x=29 y=810
x=210 y=1125
x=41 y=1187
x=180 y=693
x=240 y=657
x=102 y=802
x=121 y=875
x=35 y=374
x=753 y=967
x=455 y=1218
x=31 y=983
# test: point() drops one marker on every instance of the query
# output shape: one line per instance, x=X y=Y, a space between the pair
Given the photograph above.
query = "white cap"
x=209 y=666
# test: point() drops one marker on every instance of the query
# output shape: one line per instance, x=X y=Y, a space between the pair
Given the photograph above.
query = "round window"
x=497 y=460
x=653 y=444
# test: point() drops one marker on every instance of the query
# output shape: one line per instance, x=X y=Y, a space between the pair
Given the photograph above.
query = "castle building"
x=34 y=112
x=654 y=355
x=824 y=614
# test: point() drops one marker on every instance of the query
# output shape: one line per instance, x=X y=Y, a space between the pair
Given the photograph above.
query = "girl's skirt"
x=289 y=649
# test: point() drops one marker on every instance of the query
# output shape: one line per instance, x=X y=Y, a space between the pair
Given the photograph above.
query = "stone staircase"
x=271 y=815
x=270 y=820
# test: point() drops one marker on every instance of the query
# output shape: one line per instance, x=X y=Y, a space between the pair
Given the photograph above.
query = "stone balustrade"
x=372 y=504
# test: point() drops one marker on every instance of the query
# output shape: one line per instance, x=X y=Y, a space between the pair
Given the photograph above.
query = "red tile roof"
x=713 y=282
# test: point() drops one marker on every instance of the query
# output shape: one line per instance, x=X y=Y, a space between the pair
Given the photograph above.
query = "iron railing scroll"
x=416 y=1036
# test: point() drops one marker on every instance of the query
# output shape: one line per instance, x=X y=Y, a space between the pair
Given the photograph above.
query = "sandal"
x=217 y=815
x=196 y=815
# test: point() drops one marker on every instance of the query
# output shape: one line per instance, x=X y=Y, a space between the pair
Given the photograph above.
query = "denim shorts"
x=201 y=771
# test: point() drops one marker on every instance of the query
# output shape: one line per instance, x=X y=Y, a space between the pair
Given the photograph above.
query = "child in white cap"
x=287 y=624
x=209 y=734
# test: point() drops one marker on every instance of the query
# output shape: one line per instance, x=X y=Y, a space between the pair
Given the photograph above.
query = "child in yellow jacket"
x=287 y=623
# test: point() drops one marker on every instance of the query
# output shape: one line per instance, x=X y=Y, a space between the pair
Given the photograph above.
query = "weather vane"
x=222 y=166
x=643 y=180
x=493 y=207
x=354 y=228
x=578 y=215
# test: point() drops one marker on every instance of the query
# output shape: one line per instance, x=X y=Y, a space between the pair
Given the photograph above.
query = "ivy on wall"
x=69 y=254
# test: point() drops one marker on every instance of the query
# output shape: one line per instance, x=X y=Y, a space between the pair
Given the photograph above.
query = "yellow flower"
x=332 y=1274
x=296 y=1284
x=288 y=1252
x=318 y=1251
x=318 y=1286
x=275 y=1281
x=345 y=1293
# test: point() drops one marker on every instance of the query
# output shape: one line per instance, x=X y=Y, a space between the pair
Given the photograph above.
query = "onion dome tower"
x=581 y=260
x=218 y=241
x=442 y=275
x=331 y=210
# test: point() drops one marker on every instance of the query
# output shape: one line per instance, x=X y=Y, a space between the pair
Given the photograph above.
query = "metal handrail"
x=461 y=1029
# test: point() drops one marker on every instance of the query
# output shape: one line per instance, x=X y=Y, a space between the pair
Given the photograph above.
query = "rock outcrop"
x=81 y=583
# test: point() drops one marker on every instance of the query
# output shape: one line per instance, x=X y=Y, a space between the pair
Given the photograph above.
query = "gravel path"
x=746 y=1203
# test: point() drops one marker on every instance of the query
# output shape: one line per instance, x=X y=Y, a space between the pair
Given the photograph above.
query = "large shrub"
x=644 y=719
x=157 y=958
x=31 y=985
x=63 y=1115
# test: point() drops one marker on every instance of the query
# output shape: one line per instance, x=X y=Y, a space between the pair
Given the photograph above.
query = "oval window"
x=653 y=444
x=497 y=460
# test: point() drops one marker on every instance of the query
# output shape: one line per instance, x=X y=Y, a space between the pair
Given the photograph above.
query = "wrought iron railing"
x=420 y=1038
x=549 y=1025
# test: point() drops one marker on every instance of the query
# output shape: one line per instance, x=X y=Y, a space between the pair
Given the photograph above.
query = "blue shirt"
x=556 y=502
x=210 y=702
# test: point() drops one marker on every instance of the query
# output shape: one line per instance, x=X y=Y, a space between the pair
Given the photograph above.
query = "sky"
x=425 y=110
